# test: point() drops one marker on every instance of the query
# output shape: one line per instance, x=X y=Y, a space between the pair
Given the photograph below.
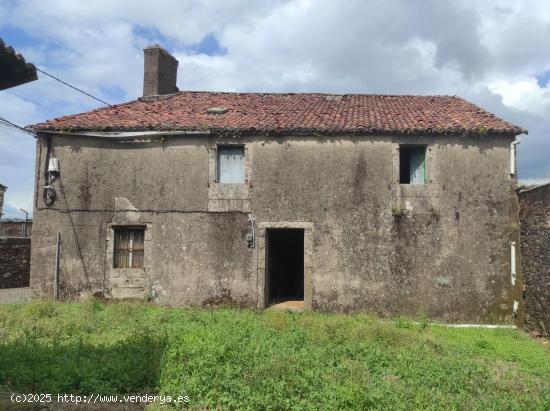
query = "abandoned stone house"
x=380 y=203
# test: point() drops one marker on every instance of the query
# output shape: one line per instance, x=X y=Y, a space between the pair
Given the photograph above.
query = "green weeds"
x=241 y=359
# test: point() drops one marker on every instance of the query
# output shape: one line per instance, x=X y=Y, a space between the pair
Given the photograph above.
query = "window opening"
x=128 y=252
x=231 y=164
x=412 y=164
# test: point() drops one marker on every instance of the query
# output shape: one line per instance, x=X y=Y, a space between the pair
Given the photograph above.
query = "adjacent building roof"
x=290 y=113
x=531 y=187
x=13 y=68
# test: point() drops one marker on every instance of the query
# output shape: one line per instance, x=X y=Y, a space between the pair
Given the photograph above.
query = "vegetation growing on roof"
x=294 y=113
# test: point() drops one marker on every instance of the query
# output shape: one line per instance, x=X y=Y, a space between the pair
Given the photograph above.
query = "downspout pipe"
x=513 y=262
x=513 y=145
x=252 y=220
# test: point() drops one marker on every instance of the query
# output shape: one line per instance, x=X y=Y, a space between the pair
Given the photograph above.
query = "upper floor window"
x=412 y=165
x=231 y=164
x=128 y=252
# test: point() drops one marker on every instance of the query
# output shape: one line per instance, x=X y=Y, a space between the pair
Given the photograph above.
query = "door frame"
x=262 y=259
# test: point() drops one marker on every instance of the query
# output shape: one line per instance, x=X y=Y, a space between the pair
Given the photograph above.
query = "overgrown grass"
x=231 y=359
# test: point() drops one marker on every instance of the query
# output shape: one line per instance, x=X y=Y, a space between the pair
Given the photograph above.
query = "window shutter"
x=231 y=164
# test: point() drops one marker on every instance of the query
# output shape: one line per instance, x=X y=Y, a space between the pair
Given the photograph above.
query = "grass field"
x=233 y=359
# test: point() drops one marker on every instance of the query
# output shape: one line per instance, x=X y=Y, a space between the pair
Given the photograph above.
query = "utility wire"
x=73 y=87
x=9 y=123
x=79 y=249
x=12 y=128
x=4 y=139
x=34 y=102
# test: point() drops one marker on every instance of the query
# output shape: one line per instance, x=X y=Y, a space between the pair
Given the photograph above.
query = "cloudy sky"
x=493 y=53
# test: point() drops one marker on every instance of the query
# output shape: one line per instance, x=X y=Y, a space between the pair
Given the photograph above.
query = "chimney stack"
x=160 y=72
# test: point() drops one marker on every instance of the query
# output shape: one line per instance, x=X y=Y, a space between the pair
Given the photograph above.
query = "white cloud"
x=488 y=52
x=523 y=94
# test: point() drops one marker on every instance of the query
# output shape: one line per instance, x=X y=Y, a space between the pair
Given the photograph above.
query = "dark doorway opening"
x=285 y=265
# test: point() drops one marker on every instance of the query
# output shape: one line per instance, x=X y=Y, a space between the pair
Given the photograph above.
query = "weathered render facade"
x=386 y=204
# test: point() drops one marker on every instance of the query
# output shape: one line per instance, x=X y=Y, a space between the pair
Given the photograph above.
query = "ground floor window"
x=128 y=252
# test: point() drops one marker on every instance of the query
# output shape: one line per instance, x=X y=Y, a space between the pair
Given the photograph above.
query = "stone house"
x=535 y=256
x=380 y=203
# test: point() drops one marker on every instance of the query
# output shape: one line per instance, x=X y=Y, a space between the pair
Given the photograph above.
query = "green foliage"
x=398 y=212
x=403 y=322
x=424 y=321
x=240 y=359
x=482 y=130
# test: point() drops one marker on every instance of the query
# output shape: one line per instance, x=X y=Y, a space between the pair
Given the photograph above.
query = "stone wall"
x=15 y=259
x=15 y=228
x=535 y=256
x=448 y=257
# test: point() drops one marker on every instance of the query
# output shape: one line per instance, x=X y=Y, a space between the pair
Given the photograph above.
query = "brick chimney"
x=160 y=72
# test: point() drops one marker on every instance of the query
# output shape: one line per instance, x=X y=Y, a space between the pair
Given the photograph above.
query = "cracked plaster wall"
x=447 y=257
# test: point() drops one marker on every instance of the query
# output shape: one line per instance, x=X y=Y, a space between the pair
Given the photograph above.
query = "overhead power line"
x=8 y=123
x=2 y=123
x=73 y=87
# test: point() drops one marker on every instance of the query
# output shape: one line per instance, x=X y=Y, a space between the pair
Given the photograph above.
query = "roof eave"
x=114 y=132
x=15 y=69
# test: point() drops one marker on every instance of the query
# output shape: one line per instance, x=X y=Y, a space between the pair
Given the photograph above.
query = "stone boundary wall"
x=15 y=262
x=535 y=257
x=15 y=228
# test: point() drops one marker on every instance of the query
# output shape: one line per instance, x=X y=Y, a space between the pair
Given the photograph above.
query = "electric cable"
x=6 y=122
x=73 y=87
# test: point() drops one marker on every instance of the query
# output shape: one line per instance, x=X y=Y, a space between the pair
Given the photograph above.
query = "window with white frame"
x=230 y=164
x=128 y=247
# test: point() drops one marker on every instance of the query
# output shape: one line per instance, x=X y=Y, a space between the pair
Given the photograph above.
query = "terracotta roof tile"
x=15 y=70
x=285 y=113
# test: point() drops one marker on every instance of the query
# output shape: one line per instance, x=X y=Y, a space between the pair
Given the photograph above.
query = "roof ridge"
x=292 y=93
